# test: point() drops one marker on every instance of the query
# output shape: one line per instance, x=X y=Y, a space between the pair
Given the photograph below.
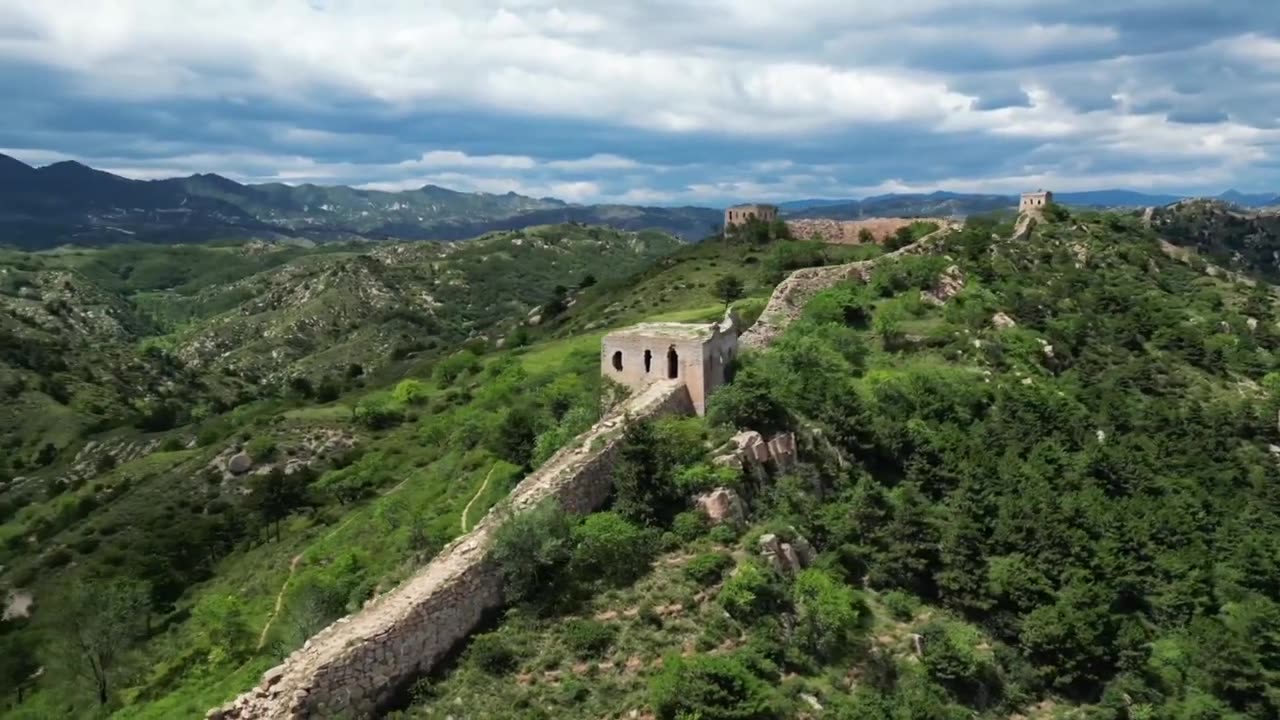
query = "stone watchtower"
x=1034 y=200
x=739 y=214
x=695 y=353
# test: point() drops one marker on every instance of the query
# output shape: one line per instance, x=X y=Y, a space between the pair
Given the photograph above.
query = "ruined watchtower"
x=692 y=352
x=1034 y=200
x=739 y=214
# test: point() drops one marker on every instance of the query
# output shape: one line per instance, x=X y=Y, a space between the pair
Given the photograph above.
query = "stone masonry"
x=696 y=354
x=739 y=214
x=791 y=295
x=1034 y=201
x=358 y=663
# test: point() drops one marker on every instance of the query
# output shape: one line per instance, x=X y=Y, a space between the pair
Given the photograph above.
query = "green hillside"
x=1051 y=495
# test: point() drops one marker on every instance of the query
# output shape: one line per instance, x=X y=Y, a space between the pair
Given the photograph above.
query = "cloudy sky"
x=653 y=101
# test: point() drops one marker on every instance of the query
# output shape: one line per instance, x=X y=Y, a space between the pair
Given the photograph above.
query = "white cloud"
x=794 y=74
x=599 y=161
x=456 y=159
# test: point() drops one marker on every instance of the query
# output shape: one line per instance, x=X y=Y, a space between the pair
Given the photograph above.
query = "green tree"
x=728 y=288
x=17 y=663
x=887 y=323
x=533 y=548
x=826 y=613
x=103 y=619
x=275 y=495
x=644 y=489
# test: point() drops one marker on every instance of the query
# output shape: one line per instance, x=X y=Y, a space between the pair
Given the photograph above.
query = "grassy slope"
x=422 y=480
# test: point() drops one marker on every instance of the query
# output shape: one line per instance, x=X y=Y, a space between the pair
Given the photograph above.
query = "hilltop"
x=1032 y=479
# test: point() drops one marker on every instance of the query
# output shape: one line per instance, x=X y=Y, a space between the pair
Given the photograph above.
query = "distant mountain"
x=71 y=203
x=962 y=204
x=798 y=205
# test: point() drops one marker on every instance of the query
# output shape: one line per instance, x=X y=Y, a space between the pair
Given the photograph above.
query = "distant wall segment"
x=358 y=663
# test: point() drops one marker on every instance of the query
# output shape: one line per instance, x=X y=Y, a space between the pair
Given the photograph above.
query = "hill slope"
x=1035 y=481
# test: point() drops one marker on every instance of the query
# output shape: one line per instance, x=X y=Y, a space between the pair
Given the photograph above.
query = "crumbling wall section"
x=791 y=295
x=358 y=663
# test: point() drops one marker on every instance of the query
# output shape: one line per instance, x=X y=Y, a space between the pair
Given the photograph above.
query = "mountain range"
x=71 y=203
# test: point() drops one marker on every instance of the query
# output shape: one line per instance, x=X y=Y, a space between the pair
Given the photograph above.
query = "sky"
x=660 y=102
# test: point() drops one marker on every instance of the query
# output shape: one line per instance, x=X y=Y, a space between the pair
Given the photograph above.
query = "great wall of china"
x=360 y=662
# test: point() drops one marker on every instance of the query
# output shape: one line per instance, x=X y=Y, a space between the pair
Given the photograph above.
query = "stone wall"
x=791 y=295
x=357 y=664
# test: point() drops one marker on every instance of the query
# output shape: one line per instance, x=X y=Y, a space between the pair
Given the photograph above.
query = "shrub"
x=261 y=448
x=533 y=548
x=222 y=626
x=708 y=568
x=492 y=654
x=711 y=687
x=588 y=638
x=610 y=549
x=826 y=613
x=725 y=534
x=750 y=592
x=901 y=605
x=454 y=366
x=379 y=412
x=411 y=392
x=689 y=526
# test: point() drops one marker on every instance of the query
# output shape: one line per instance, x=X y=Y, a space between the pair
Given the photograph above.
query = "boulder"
x=239 y=464
x=722 y=505
x=787 y=558
x=1002 y=321
x=948 y=285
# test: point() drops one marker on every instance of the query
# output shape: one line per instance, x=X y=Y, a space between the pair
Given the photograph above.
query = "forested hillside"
x=1052 y=494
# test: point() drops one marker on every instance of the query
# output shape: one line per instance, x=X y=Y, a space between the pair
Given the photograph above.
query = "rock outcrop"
x=358 y=663
x=948 y=285
x=787 y=558
x=721 y=506
x=749 y=451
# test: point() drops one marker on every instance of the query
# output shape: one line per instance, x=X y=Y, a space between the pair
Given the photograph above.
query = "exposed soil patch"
x=18 y=605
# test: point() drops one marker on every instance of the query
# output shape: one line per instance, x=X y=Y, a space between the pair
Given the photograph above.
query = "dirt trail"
x=293 y=565
x=266 y=628
x=483 y=486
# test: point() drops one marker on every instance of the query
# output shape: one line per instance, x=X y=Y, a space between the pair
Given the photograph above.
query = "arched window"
x=648 y=361
x=673 y=363
x=617 y=360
